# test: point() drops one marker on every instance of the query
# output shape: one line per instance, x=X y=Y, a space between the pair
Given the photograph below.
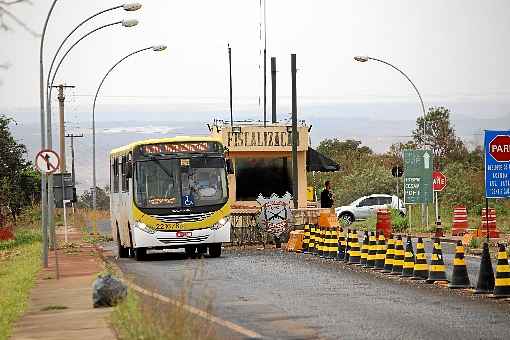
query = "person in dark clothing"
x=327 y=196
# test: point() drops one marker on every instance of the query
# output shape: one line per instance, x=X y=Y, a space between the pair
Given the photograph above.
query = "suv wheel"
x=347 y=218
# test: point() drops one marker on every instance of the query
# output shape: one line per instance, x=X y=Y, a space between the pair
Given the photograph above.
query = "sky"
x=454 y=51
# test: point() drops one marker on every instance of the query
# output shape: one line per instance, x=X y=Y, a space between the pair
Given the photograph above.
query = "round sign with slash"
x=47 y=161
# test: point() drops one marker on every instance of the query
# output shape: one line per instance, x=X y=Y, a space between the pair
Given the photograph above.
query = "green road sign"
x=418 y=166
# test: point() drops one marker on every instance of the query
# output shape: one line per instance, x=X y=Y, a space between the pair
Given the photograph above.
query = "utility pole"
x=73 y=136
x=61 y=99
x=295 y=177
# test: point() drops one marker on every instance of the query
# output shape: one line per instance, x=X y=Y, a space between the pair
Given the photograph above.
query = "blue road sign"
x=497 y=164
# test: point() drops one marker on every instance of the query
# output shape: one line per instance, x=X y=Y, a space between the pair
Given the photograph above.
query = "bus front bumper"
x=144 y=237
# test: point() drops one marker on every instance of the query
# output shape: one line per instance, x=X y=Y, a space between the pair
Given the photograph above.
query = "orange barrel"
x=489 y=224
x=383 y=222
x=460 y=220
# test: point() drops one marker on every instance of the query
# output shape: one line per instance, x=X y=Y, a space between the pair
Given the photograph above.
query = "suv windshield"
x=180 y=183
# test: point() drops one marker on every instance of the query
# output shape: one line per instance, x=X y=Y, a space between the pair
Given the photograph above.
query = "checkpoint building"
x=262 y=160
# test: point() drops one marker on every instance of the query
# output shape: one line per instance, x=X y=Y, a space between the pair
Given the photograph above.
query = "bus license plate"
x=183 y=234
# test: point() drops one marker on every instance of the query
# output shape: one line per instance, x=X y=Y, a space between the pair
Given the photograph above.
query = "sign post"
x=497 y=167
x=418 y=176
x=438 y=184
x=46 y=162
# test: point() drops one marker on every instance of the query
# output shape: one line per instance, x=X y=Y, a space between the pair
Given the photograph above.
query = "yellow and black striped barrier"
x=437 y=268
x=421 y=267
x=306 y=239
x=341 y=245
x=372 y=251
x=364 y=250
x=408 y=267
x=381 y=253
x=502 y=283
x=390 y=254
x=460 y=278
x=398 y=260
x=354 y=252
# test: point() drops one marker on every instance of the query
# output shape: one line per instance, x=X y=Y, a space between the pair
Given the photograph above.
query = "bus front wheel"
x=215 y=250
x=140 y=254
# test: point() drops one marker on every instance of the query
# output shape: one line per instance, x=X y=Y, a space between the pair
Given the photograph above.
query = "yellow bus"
x=170 y=193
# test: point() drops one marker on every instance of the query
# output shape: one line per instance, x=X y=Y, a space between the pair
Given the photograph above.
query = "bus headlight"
x=221 y=223
x=143 y=227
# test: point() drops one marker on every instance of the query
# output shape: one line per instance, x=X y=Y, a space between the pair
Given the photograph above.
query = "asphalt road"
x=284 y=295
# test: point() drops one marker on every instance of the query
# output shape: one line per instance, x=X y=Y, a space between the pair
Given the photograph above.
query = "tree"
x=348 y=152
x=435 y=132
x=19 y=182
x=396 y=149
x=102 y=199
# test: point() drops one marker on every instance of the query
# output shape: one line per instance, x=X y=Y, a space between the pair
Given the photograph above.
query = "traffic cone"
x=390 y=255
x=348 y=245
x=460 y=278
x=502 y=284
x=437 y=268
x=372 y=251
x=364 y=250
x=408 y=266
x=485 y=284
x=421 y=267
x=321 y=241
x=341 y=245
x=311 y=243
x=381 y=253
x=306 y=239
x=355 y=253
x=327 y=240
x=398 y=260
x=333 y=246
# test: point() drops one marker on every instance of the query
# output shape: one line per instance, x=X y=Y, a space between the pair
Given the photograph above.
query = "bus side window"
x=124 y=173
x=115 y=173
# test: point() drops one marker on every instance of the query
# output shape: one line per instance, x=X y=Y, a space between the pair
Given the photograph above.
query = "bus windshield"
x=181 y=182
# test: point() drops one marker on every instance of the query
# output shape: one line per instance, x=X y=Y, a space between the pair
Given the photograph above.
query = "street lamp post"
x=44 y=178
x=156 y=48
x=363 y=59
x=125 y=23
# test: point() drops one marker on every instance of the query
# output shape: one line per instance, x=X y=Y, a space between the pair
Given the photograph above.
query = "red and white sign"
x=499 y=148
x=47 y=161
x=438 y=181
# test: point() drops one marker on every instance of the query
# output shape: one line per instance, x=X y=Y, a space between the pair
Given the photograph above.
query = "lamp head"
x=131 y=7
x=129 y=23
x=361 y=59
x=158 y=48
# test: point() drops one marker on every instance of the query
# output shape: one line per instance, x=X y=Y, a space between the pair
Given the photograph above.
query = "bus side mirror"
x=129 y=170
x=230 y=167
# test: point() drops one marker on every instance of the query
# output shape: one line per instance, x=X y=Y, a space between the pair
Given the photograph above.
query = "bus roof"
x=176 y=139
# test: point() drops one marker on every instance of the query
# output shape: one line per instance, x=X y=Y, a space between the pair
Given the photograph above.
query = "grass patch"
x=17 y=276
x=97 y=239
x=23 y=236
x=53 y=307
x=136 y=318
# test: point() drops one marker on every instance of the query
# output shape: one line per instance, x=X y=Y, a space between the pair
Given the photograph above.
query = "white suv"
x=367 y=206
